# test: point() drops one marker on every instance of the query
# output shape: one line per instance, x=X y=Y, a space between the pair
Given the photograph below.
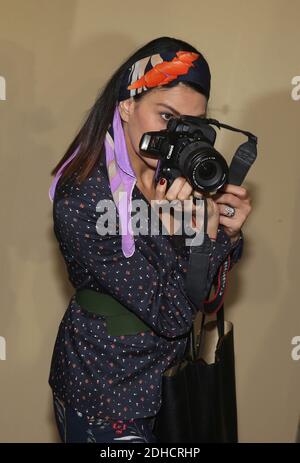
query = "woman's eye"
x=166 y=114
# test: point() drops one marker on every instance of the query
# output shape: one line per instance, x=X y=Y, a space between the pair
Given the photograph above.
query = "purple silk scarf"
x=122 y=179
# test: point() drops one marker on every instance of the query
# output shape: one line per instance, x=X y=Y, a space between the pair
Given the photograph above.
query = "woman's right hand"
x=181 y=190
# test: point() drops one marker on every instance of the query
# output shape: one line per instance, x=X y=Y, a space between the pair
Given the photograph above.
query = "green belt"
x=119 y=320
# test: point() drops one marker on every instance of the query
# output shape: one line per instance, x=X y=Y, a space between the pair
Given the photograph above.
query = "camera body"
x=186 y=148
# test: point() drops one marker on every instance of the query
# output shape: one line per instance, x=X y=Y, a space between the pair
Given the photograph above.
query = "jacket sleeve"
x=222 y=247
x=141 y=283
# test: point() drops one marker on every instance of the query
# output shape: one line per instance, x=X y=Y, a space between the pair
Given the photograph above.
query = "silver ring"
x=229 y=211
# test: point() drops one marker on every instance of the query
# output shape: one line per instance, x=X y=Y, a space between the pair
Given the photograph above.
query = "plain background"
x=55 y=55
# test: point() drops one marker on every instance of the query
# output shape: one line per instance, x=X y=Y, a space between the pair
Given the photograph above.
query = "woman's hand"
x=230 y=195
x=237 y=197
x=181 y=190
x=213 y=214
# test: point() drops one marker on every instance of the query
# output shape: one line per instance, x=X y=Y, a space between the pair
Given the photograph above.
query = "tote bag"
x=199 y=393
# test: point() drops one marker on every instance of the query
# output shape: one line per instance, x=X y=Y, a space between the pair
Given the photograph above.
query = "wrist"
x=212 y=231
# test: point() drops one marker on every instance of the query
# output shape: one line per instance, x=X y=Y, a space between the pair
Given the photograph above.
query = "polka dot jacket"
x=119 y=377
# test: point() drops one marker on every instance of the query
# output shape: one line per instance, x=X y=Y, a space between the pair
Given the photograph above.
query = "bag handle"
x=194 y=343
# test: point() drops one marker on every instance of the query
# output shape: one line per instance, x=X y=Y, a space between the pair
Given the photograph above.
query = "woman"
x=130 y=317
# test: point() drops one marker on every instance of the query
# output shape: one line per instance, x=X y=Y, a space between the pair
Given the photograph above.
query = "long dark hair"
x=92 y=134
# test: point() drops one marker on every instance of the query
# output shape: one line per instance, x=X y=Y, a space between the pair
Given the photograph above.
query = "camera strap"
x=220 y=282
x=244 y=156
x=197 y=274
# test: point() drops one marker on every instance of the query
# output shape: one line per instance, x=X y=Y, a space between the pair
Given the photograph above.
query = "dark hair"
x=91 y=136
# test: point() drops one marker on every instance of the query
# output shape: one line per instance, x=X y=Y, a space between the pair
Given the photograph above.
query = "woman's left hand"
x=237 y=197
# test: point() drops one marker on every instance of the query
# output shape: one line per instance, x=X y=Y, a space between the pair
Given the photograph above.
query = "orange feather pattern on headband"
x=166 y=71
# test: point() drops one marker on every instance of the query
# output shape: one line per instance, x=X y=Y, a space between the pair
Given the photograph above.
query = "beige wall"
x=54 y=56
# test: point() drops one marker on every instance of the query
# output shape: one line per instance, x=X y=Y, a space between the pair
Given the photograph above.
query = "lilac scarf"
x=122 y=179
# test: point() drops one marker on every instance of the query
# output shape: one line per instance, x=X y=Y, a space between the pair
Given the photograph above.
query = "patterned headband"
x=162 y=68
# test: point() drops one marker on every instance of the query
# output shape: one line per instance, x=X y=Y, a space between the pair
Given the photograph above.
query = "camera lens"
x=207 y=170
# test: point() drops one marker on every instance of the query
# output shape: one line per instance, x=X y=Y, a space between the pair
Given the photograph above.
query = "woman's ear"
x=125 y=108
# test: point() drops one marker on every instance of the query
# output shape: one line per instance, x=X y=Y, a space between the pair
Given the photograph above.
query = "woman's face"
x=153 y=111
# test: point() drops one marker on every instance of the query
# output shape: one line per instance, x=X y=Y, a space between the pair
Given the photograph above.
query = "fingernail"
x=162 y=181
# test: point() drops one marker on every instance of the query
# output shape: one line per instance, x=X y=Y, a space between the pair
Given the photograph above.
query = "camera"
x=186 y=148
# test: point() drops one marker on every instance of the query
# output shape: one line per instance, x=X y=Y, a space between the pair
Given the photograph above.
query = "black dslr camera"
x=186 y=148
